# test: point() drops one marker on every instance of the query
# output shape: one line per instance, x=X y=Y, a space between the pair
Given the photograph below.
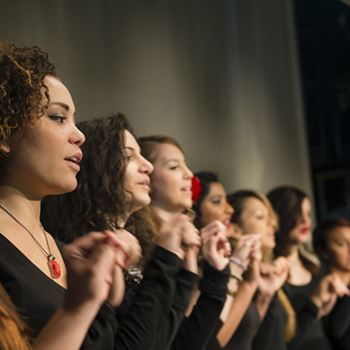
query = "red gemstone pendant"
x=54 y=267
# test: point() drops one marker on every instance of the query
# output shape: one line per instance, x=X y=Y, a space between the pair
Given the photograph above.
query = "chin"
x=187 y=204
x=271 y=245
x=64 y=188
x=303 y=239
x=141 y=202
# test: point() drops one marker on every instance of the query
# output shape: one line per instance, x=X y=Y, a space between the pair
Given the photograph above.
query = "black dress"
x=38 y=297
x=310 y=332
x=337 y=324
x=243 y=337
x=194 y=331
x=270 y=335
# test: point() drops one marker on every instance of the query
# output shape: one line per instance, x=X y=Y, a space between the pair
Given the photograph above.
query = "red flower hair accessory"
x=196 y=188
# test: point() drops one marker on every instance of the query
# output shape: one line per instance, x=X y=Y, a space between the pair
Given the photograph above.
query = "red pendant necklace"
x=53 y=265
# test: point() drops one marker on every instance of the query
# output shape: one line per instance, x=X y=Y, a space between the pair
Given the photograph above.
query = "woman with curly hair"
x=39 y=155
x=113 y=185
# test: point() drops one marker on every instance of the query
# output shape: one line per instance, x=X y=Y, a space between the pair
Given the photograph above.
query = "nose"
x=305 y=219
x=229 y=209
x=76 y=136
x=146 y=166
x=187 y=173
x=272 y=223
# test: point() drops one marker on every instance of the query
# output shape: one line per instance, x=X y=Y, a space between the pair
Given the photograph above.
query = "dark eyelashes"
x=57 y=118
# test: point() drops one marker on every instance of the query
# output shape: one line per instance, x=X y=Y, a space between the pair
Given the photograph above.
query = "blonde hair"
x=237 y=200
x=13 y=331
x=150 y=145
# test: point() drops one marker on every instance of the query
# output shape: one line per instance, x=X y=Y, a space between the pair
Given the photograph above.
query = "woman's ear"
x=5 y=148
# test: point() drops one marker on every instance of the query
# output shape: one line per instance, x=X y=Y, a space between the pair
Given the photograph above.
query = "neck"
x=343 y=275
x=294 y=254
x=24 y=209
x=165 y=215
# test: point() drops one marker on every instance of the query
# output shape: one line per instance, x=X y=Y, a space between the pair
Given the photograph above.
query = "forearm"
x=147 y=321
x=238 y=308
x=197 y=329
x=67 y=328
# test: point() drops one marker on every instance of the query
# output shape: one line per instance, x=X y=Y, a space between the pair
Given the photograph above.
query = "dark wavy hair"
x=100 y=201
x=205 y=179
x=321 y=234
x=22 y=73
x=286 y=201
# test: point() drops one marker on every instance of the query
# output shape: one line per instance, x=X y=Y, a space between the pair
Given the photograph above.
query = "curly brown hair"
x=22 y=73
x=100 y=201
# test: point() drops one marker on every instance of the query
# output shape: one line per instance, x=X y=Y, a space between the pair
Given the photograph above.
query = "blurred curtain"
x=220 y=76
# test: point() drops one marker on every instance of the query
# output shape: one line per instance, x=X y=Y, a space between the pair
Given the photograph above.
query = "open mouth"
x=74 y=160
x=145 y=183
x=187 y=189
x=227 y=222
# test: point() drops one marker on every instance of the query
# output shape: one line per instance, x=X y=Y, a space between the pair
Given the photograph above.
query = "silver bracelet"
x=239 y=263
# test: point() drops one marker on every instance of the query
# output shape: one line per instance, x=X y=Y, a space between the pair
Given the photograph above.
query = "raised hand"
x=273 y=276
x=131 y=253
x=190 y=244
x=326 y=293
x=215 y=246
x=125 y=258
x=178 y=235
x=246 y=247
x=91 y=262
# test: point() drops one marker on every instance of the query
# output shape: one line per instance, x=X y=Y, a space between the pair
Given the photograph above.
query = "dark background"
x=323 y=30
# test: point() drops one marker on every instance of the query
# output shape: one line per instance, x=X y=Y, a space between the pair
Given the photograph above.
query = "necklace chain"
x=50 y=256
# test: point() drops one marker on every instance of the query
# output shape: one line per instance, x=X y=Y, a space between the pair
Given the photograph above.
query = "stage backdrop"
x=222 y=77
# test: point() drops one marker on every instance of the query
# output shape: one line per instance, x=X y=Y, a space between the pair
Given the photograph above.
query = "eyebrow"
x=129 y=148
x=172 y=160
x=61 y=104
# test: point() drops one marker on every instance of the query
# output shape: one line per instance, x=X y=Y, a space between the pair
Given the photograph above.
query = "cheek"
x=207 y=214
x=215 y=213
x=255 y=227
x=338 y=254
x=160 y=182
